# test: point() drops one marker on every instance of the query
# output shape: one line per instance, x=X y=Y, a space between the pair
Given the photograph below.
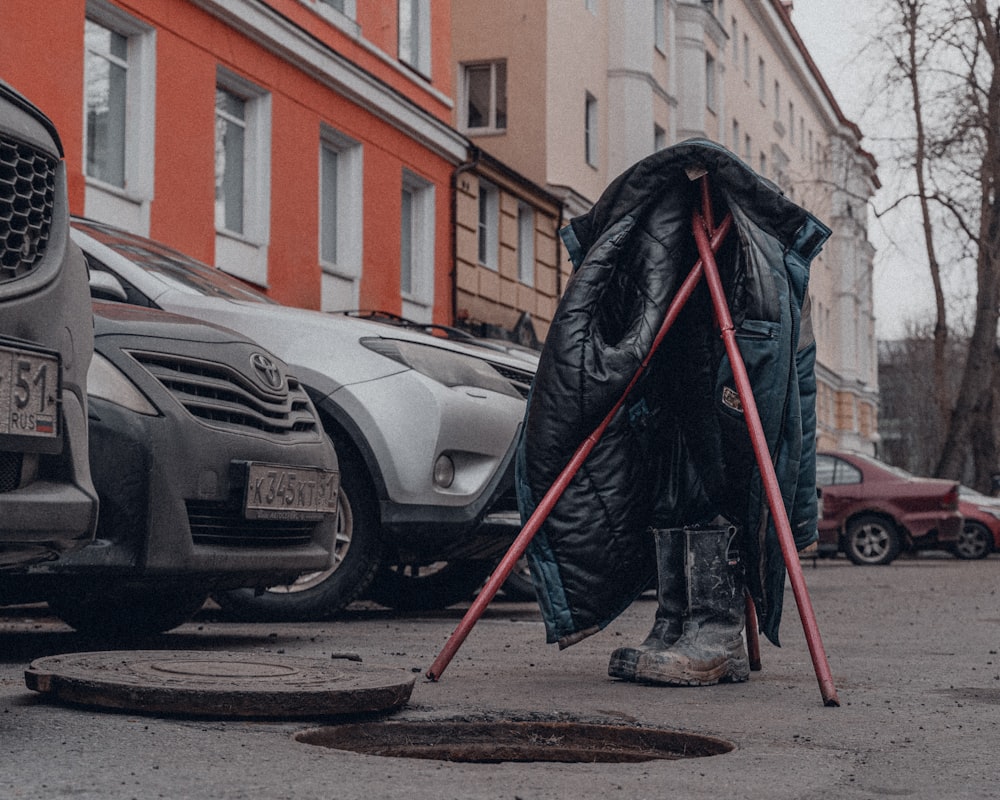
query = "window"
x=337 y=5
x=709 y=82
x=659 y=138
x=591 y=6
x=763 y=165
x=486 y=96
x=761 y=82
x=416 y=251
x=590 y=130
x=242 y=176
x=526 y=244
x=660 y=25
x=736 y=42
x=415 y=34
x=489 y=224
x=791 y=122
x=736 y=136
x=747 y=148
x=340 y=219
x=746 y=58
x=106 y=80
x=119 y=117
x=777 y=100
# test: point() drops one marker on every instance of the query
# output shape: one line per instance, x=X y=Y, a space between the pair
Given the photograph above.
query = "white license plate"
x=29 y=393
x=281 y=492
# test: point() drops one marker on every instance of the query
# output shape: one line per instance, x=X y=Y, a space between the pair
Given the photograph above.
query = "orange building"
x=303 y=145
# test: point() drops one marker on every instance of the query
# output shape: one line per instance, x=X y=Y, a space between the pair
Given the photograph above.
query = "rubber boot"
x=710 y=648
x=671 y=603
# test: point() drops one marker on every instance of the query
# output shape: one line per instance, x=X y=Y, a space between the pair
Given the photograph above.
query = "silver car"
x=424 y=429
x=47 y=500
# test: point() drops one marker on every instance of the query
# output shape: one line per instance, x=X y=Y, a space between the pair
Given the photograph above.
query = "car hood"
x=328 y=344
x=116 y=319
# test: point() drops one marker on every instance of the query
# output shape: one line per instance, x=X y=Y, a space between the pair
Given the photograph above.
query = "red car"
x=981 y=531
x=873 y=511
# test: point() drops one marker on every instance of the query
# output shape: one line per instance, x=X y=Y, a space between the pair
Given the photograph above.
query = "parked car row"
x=872 y=512
x=284 y=461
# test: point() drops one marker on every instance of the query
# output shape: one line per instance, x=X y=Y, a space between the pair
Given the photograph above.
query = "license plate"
x=281 y=492
x=29 y=393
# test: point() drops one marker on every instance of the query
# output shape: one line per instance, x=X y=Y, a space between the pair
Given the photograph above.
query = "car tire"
x=319 y=596
x=430 y=587
x=106 y=611
x=519 y=586
x=872 y=540
x=974 y=542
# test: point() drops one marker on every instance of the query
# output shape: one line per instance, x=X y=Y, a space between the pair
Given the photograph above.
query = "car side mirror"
x=105 y=286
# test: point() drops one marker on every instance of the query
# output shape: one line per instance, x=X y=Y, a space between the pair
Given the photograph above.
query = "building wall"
x=735 y=72
x=487 y=297
x=317 y=69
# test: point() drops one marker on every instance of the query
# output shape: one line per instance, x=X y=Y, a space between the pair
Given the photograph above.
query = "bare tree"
x=948 y=55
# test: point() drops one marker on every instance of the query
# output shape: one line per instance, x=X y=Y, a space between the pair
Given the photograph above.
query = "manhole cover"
x=218 y=684
x=495 y=742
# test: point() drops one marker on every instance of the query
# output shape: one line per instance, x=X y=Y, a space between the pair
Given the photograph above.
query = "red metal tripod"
x=708 y=238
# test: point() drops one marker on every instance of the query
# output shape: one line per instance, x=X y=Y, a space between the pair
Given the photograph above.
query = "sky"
x=835 y=32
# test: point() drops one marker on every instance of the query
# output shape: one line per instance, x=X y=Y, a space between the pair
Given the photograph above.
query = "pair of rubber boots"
x=697 y=637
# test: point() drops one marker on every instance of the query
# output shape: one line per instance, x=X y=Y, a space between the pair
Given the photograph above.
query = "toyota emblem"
x=267 y=370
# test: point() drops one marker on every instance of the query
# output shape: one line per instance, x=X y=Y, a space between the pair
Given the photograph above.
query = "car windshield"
x=181 y=271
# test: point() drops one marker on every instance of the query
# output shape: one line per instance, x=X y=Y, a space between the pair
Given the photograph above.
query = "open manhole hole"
x=499 y=741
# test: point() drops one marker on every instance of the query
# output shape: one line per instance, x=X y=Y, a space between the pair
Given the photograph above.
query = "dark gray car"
x=47 y=500
x=213 y=470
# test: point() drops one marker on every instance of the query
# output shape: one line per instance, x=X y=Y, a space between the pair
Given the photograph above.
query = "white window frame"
x=488 y=226
x=525 y=243
x=128 y=206
x=590 y=130
x=341 y=273
x=710 y=82
x=493 y=124
x=660 y=25
x=244 y=254
x=418 y=302
x=416 y=54
x=345 y=20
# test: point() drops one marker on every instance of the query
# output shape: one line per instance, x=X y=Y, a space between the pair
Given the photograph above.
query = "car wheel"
x=428 y=587
x=975 y=541
x=519 y=585
x=117 y=612
x=872 y=540
x=317 y=596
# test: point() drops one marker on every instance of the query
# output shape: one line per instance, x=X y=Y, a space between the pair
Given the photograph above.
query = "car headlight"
x=107 y=382
x=443 y=366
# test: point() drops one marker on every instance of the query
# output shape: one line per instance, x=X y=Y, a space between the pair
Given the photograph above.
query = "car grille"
x=10 y=470
x=520 y=379
x=225 y=398
x=27 y=194
x=222 y=524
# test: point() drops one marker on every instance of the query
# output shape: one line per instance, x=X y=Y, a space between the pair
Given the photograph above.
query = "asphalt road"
x=913 y=649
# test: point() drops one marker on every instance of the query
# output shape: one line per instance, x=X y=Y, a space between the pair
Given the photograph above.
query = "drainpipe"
x=456 y=173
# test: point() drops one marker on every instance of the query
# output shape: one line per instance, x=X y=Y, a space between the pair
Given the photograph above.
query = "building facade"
x=305 y=146
x=420 y=156
x=572 y=92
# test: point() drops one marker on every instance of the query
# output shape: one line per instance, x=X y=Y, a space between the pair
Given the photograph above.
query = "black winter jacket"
x=678 y=451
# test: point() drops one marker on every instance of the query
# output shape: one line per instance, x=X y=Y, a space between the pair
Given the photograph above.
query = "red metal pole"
x=547 y=503
x=770 y=480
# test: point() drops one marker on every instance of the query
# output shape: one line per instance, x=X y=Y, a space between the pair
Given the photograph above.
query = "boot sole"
x=725 y=673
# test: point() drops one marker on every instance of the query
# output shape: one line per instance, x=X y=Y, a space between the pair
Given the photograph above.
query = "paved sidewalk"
x=913 y=649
